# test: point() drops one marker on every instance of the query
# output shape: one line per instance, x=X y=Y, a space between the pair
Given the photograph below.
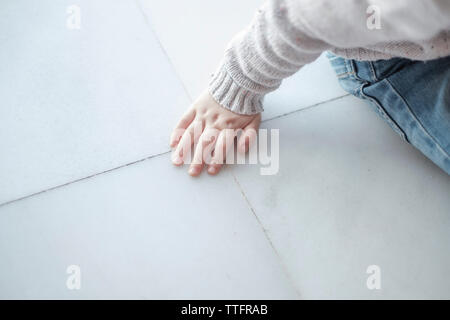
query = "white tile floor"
x=349 y=194
x=144 y=231
x=76 y=103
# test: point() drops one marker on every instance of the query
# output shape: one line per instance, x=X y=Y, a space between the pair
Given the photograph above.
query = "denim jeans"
x=412 y=96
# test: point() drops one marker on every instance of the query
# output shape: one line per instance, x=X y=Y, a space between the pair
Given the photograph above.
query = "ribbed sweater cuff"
x=232 y=96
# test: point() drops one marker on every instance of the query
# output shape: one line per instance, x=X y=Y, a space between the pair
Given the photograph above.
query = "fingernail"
x=212 y=170
x=177 y=160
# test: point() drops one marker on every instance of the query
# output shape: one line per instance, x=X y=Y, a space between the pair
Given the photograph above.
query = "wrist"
x=233 y=97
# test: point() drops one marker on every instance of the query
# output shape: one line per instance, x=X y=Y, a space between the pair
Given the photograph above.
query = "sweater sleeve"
x=287 y=34
x=272 y=48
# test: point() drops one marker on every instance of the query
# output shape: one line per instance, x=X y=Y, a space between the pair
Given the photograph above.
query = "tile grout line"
x=284 y=267
x=152 y=29
x=83 y=178
x=148 y=157
x=305 y=108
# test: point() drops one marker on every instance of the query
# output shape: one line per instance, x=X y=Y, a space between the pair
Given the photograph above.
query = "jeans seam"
x=349 y=67
x=384 y=114
x=372 y=70
x=415 y=117
x=342 y=75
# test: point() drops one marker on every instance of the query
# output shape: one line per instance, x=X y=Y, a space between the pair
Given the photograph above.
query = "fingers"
x=203 y=151
x=179 y=130
x=188 y=138
x=225 y=141
x=206 y=112
x=249 y=134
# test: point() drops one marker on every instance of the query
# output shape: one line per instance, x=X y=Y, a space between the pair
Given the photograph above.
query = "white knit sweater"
x=287 y=34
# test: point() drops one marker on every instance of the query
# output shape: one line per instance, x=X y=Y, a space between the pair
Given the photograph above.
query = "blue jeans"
x=412 y=96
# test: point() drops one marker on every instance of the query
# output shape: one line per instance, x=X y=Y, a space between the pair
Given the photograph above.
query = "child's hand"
x=209 y=120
